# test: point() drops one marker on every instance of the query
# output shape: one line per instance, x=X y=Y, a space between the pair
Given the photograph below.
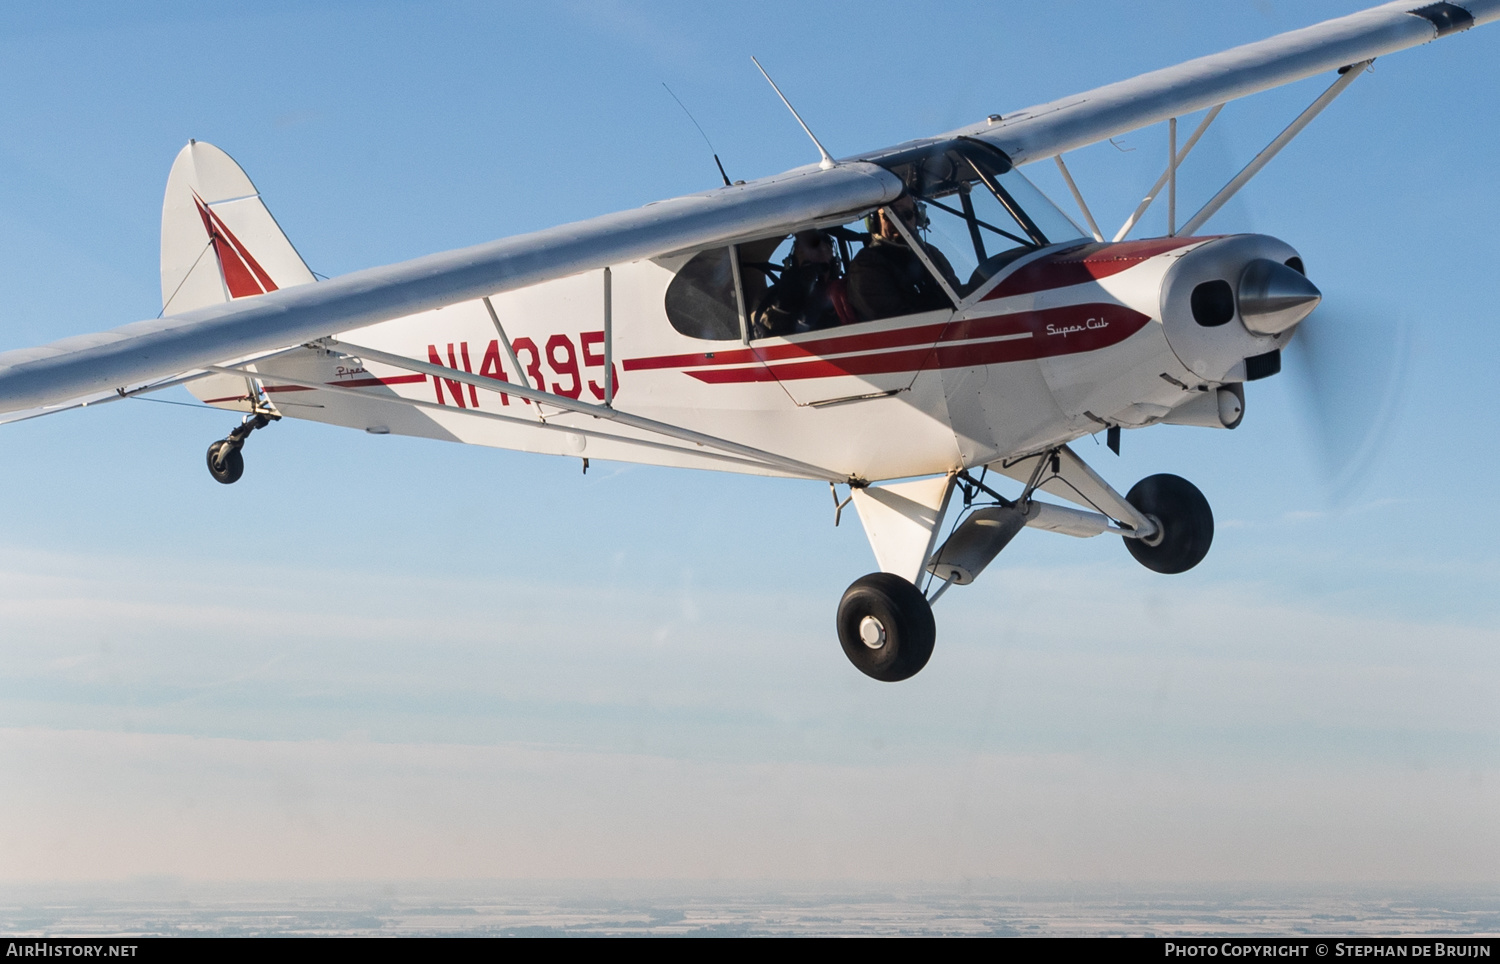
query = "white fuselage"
x=1062 y=343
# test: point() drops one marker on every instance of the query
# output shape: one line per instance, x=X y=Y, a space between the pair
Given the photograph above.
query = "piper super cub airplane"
x=919 y=312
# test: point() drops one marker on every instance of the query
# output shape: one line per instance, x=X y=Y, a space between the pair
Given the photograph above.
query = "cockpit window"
x=983 y=213
x=800 y=286
x=1050 y=219
x=701 y=302
x=968 y=211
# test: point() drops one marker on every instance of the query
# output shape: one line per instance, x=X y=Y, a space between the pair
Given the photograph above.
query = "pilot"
x=809 y=295
x=887 y=279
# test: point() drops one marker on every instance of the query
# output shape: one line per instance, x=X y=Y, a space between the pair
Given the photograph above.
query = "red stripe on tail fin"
x=243 y=275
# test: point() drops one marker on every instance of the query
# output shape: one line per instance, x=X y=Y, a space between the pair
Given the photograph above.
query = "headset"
x=919 y=222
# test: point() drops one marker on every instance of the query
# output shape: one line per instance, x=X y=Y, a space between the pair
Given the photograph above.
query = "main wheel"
x=233 y=466
x=886 y=627
x=1186 y=521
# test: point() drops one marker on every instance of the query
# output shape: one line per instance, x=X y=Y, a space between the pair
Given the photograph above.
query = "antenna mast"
x=827 y=161
x=700 y=131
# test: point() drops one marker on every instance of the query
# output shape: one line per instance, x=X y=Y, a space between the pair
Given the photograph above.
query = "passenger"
x=809 y=295
x=887 y=279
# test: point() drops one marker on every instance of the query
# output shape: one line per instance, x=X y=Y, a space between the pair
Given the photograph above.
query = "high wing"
x=1040 y=132
x=163 y=350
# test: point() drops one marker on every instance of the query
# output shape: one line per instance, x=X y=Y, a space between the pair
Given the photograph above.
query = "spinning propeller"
x=1347 y=368
x=1345 y=362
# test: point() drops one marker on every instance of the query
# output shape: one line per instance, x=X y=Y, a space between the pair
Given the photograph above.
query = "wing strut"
x=770 y=459
x=1078 y=196
x=1272 y=149
x=475 y=413
x=510 y=353
x=1171 y=177
x=101 y=398
x=1173 y=162
x=115 y=395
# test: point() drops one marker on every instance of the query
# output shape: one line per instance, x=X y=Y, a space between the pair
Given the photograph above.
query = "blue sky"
x=384 y=657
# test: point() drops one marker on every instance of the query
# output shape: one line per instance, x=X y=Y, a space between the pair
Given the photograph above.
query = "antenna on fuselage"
x=827 y=160
x=700 y=131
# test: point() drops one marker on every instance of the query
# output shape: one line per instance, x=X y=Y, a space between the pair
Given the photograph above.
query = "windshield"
x=1057 y=226
x=978 y=209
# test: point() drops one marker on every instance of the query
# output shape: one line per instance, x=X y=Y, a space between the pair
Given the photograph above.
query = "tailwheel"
x=226 y=463
x=226 y=466
x=886 y=627
x=1184 y=520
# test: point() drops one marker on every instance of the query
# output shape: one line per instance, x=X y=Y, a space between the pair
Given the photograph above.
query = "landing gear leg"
x=886 y=627
x=225 y=461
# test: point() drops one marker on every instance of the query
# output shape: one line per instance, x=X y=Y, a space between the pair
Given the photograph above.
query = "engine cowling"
x=1229 y=306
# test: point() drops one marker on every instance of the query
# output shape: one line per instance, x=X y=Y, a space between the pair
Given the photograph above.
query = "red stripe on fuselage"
x=352 y=383
x=839 y=344
x=1071 y=329
x=1074 y=266
x=269 y=390
x=1081 y=265
x=368 y=382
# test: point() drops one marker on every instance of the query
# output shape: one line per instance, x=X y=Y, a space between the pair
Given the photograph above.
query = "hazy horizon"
x=743 y=908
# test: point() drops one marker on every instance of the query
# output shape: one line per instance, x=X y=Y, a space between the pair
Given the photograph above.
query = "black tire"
x=233 y=466
x=904 y=620
x=1187 y=523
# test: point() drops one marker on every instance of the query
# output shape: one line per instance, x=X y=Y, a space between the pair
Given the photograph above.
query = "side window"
x=799 y=282
x=813 y=280
x=701 y=301
x=889 y=278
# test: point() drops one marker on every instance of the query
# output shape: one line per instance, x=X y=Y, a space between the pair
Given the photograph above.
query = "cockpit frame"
x=722 y=306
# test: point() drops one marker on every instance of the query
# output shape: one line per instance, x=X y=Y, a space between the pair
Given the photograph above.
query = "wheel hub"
x=872 y=632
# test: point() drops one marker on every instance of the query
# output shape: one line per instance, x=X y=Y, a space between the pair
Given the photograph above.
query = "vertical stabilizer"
x=218 y=243
x=218 y=240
